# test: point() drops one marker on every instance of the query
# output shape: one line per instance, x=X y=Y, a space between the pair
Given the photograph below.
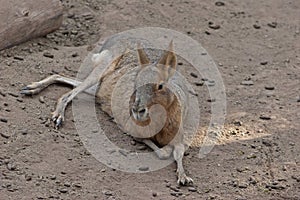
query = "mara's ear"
x=143 y=59
x=168 y=62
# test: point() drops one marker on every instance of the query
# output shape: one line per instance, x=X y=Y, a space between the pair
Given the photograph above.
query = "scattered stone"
x=242 y=185
x=194 y=75
x=144 y=168
x=168 y=184
x=154 y=194
x=175 y=189
x=4 y=120
x=42 y=99
x=237 y=123
x=67 y=184
x=265 y=117
x=11 y=166
x=132 y=142
x=275 y=186
x=256 y=26
x=264 y=62
x=78 y=185
x=5 y=135
x=176 y=194
x=48 y=55
x=298 y=100
x=211 y=100
x=296 y=178
x=28 y=177
x=267 y=143
x=63 y=190
x=52 y=177
x=272 y=24
x=103 y=170
x=20 y=100
x=213 y=26
x=247 y=83
x=207 y=32
x=75 y=54
x=199 y=83
x=107 y=192
x=2 y=93
x=123 y=152
x=220 y=3
x=18 y=58
x=269 y=87
x=192 y=189
x=252 y=180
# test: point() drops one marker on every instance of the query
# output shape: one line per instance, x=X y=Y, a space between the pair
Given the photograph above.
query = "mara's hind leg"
x=103 y=59
x=36 y=87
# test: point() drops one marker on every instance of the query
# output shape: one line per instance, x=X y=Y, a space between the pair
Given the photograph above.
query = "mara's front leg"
x=178 y=154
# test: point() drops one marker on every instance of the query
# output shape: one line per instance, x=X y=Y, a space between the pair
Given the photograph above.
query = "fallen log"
x=22 y=20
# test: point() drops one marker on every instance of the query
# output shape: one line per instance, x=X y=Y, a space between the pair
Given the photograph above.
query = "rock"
x=269 y=87
x=5 y=135
x=168 y=185
x=194 y=75
x=48 y=55
x=275 y=186
x=52 y=177
x=298 y=100
x=176 y=194
x=247 y=83
x=154 y=194
x=28 y=177
x=265 y=117
x=242 y=185
x=264 y=62
x=11 y=166
x=107 y=192
x=3 y=120
x=220 y=3
x=256 y=26
x=199 y=83
x=42 y=99
x=211 y=100
x=75 y=54
x=18 y=58
x=213 y=26
x=132 y=142
x=144 y=168
x=63 y=190
x=272 y=24
x=67 y=184
x=175 y=189
x=192 y=189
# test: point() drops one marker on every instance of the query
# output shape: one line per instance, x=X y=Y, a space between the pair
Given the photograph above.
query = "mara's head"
x=151 y=83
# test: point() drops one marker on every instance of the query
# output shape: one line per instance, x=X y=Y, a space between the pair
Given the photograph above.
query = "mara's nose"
x=139 y=113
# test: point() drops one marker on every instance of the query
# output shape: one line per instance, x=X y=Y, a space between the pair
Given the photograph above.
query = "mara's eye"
x=160 y=86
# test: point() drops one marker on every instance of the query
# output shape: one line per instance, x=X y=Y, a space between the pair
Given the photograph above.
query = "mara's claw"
x=183 y=179
x=58 y=120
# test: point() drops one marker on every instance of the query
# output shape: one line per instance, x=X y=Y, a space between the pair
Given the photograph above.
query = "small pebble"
x=272 y=24
x=213 y=26
x=107 y=192
x=256 y=26
x=11 y=166
x=42 y=99
x=144 y=168
x=194 y=75
x=247 y=83
x=154 y=194
x=199 y=83
x=265 y=117
x=220 y=3
x=3 y=120
x=52 y=177
x=63 y=190
x=192 y=189
x=264 y=62
x=48 y=55
x=269 y=87
x=5 y=135
x=18 y=58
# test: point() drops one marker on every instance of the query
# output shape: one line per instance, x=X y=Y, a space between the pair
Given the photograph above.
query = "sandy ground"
x=257 y=156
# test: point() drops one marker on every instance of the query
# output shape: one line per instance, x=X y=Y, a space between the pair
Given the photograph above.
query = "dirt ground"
x=258 y=154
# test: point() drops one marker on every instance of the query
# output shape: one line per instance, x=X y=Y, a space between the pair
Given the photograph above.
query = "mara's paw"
x=31 y=89
x=58 y=118
x=183 y=179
